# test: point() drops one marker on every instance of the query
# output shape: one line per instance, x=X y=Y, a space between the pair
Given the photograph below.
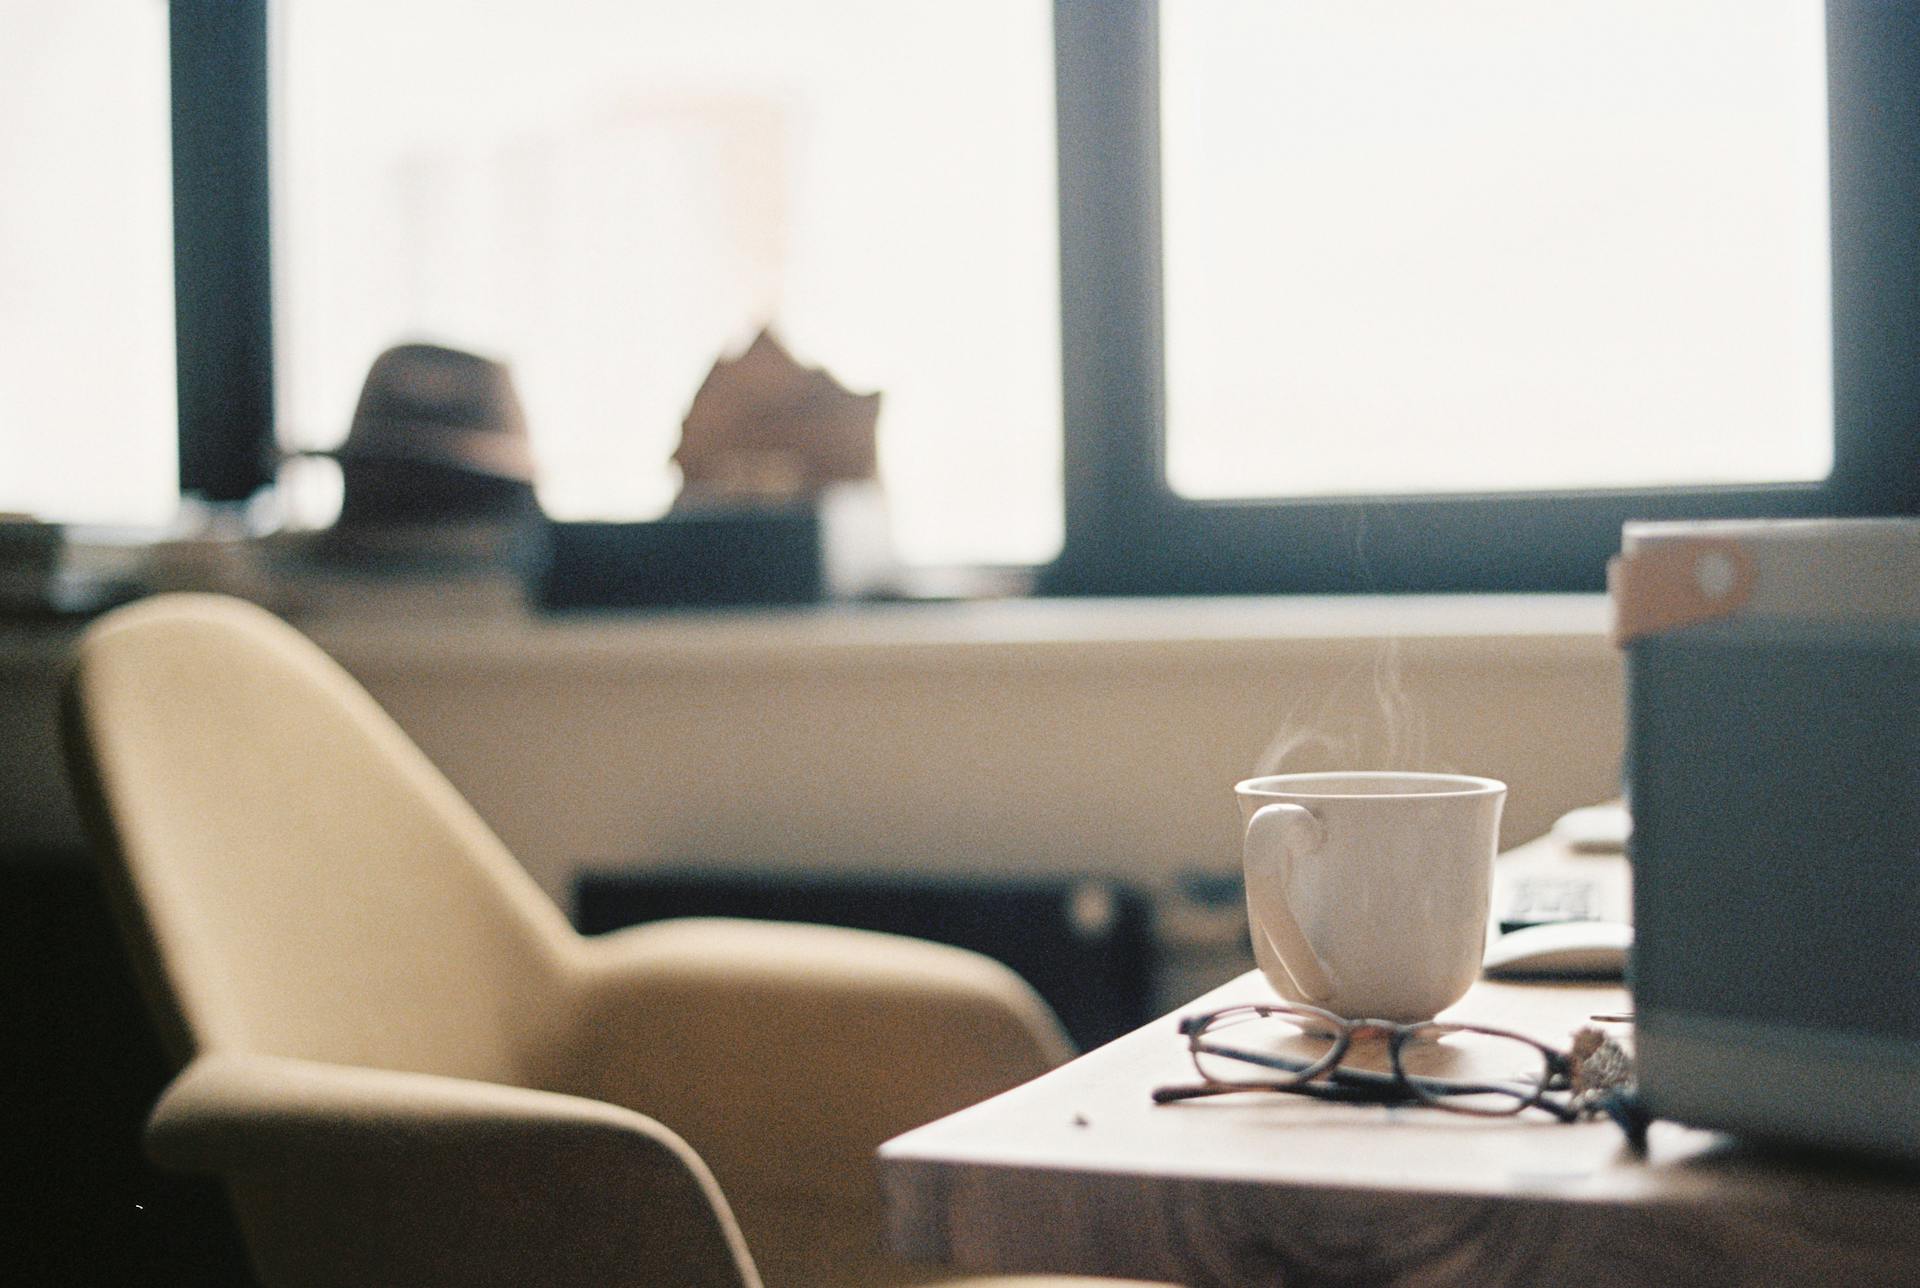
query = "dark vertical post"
x=223 y=290
x=1107 y=68
x=1873 y=70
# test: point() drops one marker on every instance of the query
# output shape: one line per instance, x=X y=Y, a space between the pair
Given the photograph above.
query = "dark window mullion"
x=223 y=327
x=1107 y=70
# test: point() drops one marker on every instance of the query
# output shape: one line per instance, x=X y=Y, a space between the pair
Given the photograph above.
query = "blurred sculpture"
x=763 y=428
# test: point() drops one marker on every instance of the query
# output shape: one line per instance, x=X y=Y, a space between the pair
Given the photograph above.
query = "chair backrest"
x=295 y=876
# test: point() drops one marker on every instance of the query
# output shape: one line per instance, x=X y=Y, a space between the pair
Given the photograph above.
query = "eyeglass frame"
x=1364 y=1085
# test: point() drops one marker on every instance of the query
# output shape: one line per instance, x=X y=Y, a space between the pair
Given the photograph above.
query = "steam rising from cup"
x=1380 y=727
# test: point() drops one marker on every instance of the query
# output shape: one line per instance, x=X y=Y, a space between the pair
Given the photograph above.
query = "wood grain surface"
x=1080 y=1172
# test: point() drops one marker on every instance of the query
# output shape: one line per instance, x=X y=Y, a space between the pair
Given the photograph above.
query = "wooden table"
x=1079 y=1172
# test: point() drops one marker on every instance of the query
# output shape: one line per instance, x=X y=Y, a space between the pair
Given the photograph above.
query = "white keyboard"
x=1577 y=872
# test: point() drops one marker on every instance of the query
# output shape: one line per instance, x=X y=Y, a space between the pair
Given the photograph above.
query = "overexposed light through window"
x=610 y=195
x=87 y=405
x=1494 y=245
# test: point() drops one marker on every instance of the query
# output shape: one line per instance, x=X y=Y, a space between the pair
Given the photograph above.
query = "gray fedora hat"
x=424 y=404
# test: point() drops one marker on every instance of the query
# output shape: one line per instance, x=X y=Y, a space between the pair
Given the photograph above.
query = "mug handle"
x=1274 y=835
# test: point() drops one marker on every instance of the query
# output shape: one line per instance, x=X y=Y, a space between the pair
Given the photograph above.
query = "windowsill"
x=427 y=631
x=1078 y=631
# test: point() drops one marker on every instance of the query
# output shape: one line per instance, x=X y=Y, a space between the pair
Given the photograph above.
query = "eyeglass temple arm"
x=1439 y=1088
x=1344 y=1092
x=1352 y=1079
x=1356 y=1087
x=1366 y=1080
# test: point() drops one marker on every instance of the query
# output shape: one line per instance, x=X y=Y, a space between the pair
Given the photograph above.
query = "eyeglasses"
x=1461 y=1068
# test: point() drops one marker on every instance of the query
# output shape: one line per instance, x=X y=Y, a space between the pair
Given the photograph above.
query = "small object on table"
x=1561 y=950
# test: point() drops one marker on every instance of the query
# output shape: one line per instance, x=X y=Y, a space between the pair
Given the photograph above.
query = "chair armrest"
x=787 y=1053
x=354 y=1176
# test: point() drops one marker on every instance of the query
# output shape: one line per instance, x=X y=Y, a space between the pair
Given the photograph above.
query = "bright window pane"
x=87 y=411
x=610 y=194
x=1494 y=245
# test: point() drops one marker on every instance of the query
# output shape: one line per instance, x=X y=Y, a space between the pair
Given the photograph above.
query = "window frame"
x=222 y=247
x=1128 y=532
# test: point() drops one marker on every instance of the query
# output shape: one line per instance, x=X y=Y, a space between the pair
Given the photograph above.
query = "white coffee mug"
x=1368 y=893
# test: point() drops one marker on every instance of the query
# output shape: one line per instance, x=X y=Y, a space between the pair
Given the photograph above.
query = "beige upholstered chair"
x=407 y=1067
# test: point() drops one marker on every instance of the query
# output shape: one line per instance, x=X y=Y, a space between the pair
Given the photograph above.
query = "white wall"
x=1037 y=736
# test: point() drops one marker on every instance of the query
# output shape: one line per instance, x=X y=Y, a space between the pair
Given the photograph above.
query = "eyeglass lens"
x=1465 y=1070
x=1260 y=1049
x=1473 y=1071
